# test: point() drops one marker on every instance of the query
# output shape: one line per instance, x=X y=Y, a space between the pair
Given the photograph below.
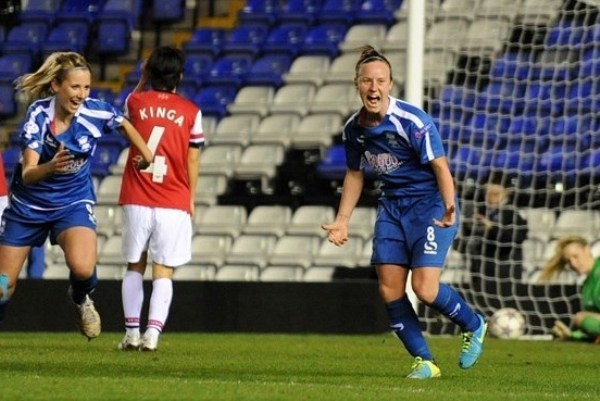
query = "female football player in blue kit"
x=417 y=213
x=51 y=192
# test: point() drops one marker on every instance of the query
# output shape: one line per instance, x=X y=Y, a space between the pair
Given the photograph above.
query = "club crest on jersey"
x=30 y=128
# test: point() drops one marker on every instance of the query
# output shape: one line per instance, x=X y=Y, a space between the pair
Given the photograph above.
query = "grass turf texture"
x=64 y=366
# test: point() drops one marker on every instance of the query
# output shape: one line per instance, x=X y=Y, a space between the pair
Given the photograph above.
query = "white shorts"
x=165 y=233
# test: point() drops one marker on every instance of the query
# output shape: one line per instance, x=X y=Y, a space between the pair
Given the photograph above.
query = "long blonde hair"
x=37 y=85
x=557 y=263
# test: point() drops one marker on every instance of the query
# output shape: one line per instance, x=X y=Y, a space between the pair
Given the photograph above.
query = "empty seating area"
x=512 y=89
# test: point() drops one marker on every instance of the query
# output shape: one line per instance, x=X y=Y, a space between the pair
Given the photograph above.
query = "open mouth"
x=373 y=99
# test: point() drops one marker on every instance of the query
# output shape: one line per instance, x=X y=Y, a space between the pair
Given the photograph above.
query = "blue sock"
x=450 y=304
x=81 y=288
x=405 y=324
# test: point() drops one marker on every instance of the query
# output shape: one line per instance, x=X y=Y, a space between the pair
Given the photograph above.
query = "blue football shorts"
x=23 y=226
x=406 y=235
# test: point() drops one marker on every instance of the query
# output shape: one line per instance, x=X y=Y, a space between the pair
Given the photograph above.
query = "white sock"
x=132 y=294
x=160 y=302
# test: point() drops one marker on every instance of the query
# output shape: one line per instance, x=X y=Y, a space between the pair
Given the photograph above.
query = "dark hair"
x=165 y=68
x=368 y=54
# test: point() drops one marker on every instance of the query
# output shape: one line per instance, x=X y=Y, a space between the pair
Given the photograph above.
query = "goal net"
x=514 y=88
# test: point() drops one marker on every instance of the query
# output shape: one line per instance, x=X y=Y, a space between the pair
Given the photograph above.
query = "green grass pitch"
x=64 y=366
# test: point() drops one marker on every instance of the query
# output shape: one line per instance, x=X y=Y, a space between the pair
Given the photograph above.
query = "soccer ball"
x=507 y=323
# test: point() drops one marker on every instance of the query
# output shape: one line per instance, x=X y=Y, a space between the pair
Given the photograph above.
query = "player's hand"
x=338 y=233
x=140 y=163
x=448 y=219
x=61 y=160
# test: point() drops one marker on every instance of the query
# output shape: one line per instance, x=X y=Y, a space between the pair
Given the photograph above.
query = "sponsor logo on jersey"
x=420 y=133
x=383 y=163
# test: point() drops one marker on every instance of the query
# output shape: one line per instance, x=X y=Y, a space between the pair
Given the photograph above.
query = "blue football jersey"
x=93 y=119
x=400 y=149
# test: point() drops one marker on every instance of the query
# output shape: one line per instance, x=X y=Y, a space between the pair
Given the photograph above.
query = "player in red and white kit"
x=158 y=202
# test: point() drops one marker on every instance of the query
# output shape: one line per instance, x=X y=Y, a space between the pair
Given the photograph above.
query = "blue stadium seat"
x=197 y=68
x=465 y=162
x=79 y=10
x=8 y=105
x=378 y=12
x=230 y=70
x=501 y=95
x=324 y=39
x=285 y=39
x=259 y=12
x=245 y=39
x=545 y=98
x=566 y=33
x=590 y=63
x=206 y=40
x=26 y=38
x=105 y=155
x=268 y=70
x=168 y=11
x=66 y=36
x=104 y=94
x=582 y=96
x=13 y=66
x=339 y=11
x=333 y=164
x=300 y=12
x=40 y=11
x=115 y=22
x=213 y=99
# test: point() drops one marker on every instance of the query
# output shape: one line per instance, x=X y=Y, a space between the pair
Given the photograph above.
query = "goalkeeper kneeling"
x=574 y=252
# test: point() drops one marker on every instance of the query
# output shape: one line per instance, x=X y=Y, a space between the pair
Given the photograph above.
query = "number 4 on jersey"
x=158 y=167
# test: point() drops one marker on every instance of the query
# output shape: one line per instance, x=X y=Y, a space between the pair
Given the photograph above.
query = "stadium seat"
x=252 y=100
x=396 y=37
x=111 y=252
x=106 y=219
x=285 y=39
x=71 y=36
x=319 y=274
x=237 y=273
x=194 y=272
x=268 y=70
x=362 y=222
x=299 y=12
x=457 y=9
x=307 y=220
x=259 y=163
x=324 y=39
x=259 y=11
x=252 y=249
x=209 y=188
x=223 y=220
x=168 y=11
x=80 y=11
x=245 y=40
x=339 y=11
x=205 y=40
x=281 y=273
x=236 y=129
x=341 y=69
x=220 y=159
x=577 y=222
x=362 y=34
x=333 y=164
x=197 y=68
x=115 y=23
x=316 y=131
x=295 y=250
x=13 y=66
x=40 y=11
x=486 y=36
x=308 y=69
x=338 y=98
x=346 y=256
x=26 y=38
x=109 y=190
x=566 y=33
x=11 y=156
x=268 y=220
x=293 y=98
x=213 y=99
x=230 y=70
x=447 y=34
x=210 y=249
x=276 y=129
x=377 y=12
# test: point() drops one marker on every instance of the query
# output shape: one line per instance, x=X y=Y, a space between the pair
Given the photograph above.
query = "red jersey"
x=170 y=125
x=3 y=186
